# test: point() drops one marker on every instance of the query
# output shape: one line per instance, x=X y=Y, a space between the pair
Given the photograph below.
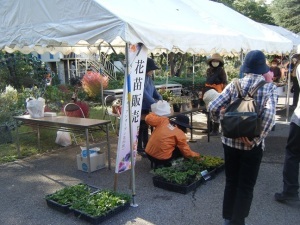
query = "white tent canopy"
x=195 y=26
x=295 y=38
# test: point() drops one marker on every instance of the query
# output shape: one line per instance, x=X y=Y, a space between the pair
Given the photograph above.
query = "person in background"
x=150 y=96
x=276 y=70
x=168 y=140
x=216 y=79
x=292 y=155
x=208 y=97
x=243 y=156
x=269 y=76
x=295 y=88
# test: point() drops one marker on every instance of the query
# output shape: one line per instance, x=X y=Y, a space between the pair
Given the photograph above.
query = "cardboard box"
x=97 y=162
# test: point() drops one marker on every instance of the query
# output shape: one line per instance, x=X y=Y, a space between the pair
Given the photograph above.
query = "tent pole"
x=288 y=92
x=193 y=71
x=167 y=69
x=101 y=86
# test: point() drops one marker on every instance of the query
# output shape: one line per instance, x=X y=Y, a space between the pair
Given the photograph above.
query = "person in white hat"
x=208 y=97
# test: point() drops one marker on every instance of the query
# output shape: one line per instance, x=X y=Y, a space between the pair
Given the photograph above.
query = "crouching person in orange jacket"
x=168 y=141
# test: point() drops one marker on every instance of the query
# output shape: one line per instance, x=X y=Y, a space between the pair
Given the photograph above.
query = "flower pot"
x=176 y=107
x=185 y=106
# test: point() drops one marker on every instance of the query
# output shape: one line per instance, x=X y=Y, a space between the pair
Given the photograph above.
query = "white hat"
x=210 y=95
x=161 y=108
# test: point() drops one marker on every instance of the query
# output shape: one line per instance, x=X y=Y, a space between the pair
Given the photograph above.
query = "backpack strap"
x=255 y=89
x=238 y=87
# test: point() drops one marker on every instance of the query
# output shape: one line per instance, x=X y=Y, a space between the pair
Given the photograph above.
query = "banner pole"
x=133 y=204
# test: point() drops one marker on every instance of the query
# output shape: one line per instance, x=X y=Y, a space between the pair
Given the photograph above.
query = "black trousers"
x=292 y=160
x=166 y=162
x=241 y=170
x=296 y=91
x=143 y=133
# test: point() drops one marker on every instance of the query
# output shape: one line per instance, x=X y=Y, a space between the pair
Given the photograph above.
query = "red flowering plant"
x=92 y=81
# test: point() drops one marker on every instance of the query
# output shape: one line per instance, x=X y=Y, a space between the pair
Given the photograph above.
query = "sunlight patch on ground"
x=139 y=221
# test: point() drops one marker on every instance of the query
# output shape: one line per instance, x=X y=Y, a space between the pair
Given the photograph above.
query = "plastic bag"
x=35 y=107
x=63 y=138
x=93 y=151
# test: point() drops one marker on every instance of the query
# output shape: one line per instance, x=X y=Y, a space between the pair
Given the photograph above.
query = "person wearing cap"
x=216 y=77
x=168 y=140
x=150 y=96
x=216 y=80
x=243 y=156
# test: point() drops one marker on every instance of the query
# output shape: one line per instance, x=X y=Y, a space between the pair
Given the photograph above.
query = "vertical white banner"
x=133 y=90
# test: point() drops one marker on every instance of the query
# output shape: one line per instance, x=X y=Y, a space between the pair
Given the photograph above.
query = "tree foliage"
x=255 y=10
x=286 y=13
x=19 y=70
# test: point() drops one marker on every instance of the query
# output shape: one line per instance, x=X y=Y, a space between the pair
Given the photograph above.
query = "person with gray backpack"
x=243 y=154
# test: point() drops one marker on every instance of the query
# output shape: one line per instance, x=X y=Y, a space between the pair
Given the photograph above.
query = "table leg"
x=108 y=147
x=17 y=141
x=208 y=126
x=87 y=145
x=192 y=140
x=38 y=137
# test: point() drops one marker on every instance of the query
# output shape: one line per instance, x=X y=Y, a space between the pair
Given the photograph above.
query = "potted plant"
x=101 y=206
x=195 y=99
x=176 y=103
x=186 y=175
x=186 y=103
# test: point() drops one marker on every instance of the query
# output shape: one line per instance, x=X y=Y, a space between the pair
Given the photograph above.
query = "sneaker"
x=214 y=133
x=142 y=153
x=226 y=222
x=281 y=197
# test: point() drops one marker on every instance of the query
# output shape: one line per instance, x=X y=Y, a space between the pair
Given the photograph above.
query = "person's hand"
x=246 y=141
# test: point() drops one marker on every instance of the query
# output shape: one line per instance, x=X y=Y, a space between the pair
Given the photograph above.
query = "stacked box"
x=97 y=162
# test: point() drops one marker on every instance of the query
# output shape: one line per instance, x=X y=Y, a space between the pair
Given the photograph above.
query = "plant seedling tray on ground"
x=184 y=189
x=99 y=219
x=65 y=208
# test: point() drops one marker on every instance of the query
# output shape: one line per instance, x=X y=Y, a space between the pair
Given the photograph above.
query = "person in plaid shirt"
x=243 y=156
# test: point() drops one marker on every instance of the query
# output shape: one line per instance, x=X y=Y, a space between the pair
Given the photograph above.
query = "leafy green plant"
x=69 y=195
x=186 y=171
x=101 y=203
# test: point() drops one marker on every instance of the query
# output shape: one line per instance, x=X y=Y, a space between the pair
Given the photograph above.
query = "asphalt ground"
x=25 y=183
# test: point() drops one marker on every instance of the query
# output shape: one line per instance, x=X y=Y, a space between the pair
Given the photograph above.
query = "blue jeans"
x=241 y=170
x=292 y=160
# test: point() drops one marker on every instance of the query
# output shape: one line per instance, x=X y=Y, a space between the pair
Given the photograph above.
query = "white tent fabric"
x=295 y=38
x=195 y=26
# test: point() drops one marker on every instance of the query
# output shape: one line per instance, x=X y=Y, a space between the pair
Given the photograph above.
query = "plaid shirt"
x=266 y=98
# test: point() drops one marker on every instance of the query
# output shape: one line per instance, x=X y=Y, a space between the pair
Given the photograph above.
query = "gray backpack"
x=241 y=118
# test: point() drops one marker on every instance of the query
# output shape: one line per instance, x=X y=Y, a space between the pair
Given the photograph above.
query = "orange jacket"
x=165 y=138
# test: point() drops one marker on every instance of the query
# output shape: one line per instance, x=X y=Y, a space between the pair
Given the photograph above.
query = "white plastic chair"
x=108 y=112
x=74 y=110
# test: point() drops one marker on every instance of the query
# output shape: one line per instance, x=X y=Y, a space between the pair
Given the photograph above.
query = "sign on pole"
x=131 y=106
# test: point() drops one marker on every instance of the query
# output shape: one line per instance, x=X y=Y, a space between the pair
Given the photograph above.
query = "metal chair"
x=108 y=112
x=74 y=110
